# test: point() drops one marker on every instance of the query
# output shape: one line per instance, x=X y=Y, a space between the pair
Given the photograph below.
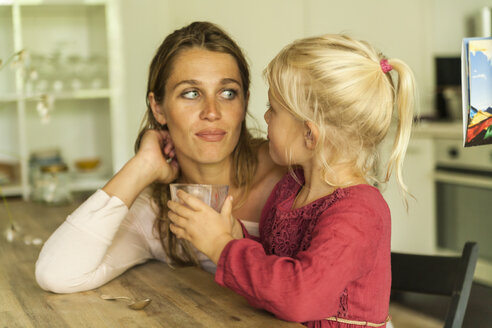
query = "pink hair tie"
x=385 y=66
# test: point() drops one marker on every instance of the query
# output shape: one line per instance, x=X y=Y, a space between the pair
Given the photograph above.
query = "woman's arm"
x=97 y=242
x=148 y=165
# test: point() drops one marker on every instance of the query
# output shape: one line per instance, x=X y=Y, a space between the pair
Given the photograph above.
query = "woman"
x=197 y=95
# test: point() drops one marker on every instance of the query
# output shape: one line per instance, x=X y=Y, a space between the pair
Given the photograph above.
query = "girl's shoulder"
x=360 y=205
x=363 y=194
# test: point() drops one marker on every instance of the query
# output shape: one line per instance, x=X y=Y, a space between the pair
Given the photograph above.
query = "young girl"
x=323 y=255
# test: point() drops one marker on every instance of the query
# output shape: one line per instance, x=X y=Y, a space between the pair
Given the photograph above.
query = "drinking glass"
x=212 y=195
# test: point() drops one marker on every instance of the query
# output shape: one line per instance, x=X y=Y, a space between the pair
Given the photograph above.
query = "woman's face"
x=204 y=106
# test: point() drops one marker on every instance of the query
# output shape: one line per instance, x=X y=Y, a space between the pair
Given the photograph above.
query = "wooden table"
x=181 y=297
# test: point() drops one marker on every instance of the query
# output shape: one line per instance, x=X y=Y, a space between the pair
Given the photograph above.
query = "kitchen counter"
x=438 y=130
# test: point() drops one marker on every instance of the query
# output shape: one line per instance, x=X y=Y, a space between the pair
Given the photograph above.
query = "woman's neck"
x=215 y=173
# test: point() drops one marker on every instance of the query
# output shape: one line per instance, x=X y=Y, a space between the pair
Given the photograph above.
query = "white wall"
x=143 y=25
x=399 y=29
x=261 y=28
x=414 y=31
x=451 y=24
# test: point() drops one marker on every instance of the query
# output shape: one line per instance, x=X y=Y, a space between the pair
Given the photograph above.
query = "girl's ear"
x=311 y=135
x=157 y=109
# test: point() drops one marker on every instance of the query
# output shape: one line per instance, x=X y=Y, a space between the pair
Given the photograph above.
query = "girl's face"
x=204 y=106
x=285 y=134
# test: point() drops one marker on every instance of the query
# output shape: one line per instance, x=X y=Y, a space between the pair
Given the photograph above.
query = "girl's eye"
x=192 y=94
x=229 y=94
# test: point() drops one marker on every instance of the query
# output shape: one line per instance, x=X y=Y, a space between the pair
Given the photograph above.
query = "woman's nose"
x=211 y=111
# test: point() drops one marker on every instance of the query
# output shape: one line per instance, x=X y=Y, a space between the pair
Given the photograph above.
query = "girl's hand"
x=157 y=150
x=208 y=230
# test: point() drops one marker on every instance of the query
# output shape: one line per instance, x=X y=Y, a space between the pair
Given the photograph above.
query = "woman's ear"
x=311 y=135
x=157 y=109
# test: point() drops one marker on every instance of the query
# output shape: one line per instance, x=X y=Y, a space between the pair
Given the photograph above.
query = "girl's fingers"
x=179 y=232
x=179 y=209
x=177 y=219
x=227 y=207
x=191 y=201
x=168 y=148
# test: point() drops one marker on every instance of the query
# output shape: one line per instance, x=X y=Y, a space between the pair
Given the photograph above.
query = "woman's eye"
x=192 y=94
x=229 y=94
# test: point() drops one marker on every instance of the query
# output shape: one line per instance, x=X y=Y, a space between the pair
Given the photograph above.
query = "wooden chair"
x=439 y=275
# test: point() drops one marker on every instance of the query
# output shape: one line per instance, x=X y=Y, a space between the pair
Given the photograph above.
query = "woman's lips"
x=211 y=135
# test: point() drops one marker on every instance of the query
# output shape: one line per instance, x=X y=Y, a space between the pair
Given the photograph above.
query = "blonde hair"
x=338 y=83
x=207 y=36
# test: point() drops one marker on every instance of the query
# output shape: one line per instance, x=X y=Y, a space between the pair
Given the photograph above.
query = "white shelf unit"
x=70 y=37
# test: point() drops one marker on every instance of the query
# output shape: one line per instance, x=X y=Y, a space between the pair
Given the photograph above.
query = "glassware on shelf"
x=41 y=65
x=37 y=160
x=75 y=68
x=53 y=185
x=59 y=72
x=97 y=72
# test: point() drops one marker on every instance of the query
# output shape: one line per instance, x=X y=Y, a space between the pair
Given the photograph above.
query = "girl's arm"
x=308 y=286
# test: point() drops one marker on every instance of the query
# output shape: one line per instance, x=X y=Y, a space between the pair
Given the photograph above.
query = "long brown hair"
x=207 y=36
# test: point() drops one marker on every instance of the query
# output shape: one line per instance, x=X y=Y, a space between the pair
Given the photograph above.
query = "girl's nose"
x=210 y=111
x=267 y=116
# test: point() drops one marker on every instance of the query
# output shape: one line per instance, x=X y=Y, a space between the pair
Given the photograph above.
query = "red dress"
x=330 y=258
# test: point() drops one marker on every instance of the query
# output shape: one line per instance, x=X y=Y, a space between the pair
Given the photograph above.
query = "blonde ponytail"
x=405 y=102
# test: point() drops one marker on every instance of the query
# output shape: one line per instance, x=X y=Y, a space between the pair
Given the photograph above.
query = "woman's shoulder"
x=267 y=175
x=267 y=168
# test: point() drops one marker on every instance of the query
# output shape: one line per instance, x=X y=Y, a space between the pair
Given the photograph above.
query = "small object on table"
x=133 y=304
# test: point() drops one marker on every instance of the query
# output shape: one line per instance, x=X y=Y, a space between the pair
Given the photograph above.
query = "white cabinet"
x=414 y=231
x=70 y=63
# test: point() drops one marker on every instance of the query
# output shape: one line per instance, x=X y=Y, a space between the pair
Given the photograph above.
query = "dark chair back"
x=439 y=275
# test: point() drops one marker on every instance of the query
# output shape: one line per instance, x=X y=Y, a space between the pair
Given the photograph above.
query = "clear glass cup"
x=212 y=195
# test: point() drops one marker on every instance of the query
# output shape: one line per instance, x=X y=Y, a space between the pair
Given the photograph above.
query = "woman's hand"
x=157 y=150
x=208 y=230
x=154 y=161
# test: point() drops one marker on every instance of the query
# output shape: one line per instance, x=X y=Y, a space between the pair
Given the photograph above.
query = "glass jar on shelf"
x=52 y=185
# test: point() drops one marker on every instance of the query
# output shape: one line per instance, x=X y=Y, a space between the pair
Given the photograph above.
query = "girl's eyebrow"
x=195 y=82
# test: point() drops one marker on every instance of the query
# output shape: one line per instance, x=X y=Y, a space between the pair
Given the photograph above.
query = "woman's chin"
x=208 y=156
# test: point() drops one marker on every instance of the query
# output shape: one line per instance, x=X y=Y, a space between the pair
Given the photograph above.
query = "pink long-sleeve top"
x=330 y=258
